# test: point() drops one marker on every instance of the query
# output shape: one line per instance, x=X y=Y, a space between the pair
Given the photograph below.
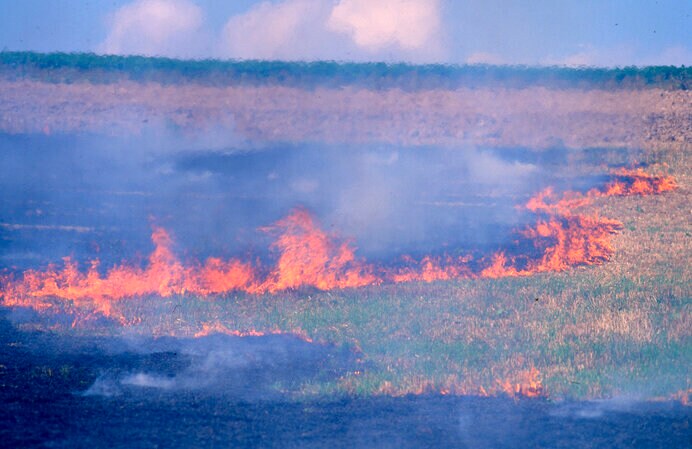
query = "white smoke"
x=247 y=367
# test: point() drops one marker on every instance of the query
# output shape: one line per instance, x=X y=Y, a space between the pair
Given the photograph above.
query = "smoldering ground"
x=257 y=367
x=250 y=367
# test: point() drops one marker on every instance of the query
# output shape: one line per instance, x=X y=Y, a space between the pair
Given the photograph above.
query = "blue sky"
x=572 y=32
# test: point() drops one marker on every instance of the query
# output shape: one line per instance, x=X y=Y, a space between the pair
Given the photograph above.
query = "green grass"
x=620 y=328
x=589 y=335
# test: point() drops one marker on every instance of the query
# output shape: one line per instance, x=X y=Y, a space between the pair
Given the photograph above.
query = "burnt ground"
x=84 y=392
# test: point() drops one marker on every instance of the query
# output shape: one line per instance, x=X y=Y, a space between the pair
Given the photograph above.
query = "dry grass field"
x=621 y=327
x=533 y=117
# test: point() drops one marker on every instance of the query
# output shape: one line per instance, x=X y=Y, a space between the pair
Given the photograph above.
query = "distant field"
x=264 y=102
x=80 y=67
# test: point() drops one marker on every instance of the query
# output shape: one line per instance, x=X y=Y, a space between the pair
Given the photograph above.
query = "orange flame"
x=526 y=384
x=638 y=182
x=627 y=182
x=218 y=328
x=578 y=240
x=307 y=256
x=431 y=269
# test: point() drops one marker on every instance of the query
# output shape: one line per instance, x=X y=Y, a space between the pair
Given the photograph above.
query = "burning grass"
x=309 y=257
x=510 y=324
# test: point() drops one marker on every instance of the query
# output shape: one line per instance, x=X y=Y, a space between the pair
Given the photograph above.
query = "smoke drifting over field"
x=98 y=193
x=420 y=215
x=248 y=368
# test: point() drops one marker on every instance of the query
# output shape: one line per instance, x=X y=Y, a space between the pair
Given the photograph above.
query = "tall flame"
x=309 y=257
x=567 y=239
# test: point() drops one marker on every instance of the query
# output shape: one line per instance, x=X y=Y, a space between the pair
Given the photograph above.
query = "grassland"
x=624 y=327
x=535 y=117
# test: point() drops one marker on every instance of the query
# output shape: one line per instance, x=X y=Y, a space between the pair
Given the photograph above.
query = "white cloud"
x=621 y=56
x=155 y=27
x=291 y=29
x=374 y=24
x=347 y=30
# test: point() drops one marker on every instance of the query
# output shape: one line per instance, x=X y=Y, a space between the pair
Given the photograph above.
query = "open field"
x=535 y=117
x=621 y=327
x=511 y=107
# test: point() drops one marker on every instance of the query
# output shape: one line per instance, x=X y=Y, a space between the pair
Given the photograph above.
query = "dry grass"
x=533 y=117
x=625 y=326
x=594 y=331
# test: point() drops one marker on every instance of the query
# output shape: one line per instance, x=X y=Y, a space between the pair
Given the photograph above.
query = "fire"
x=164 y=276
x=568 y=239
x=683 y=396
x=525 y=384
x=431 y=269
x=626 y=182
x=306 y=256
x=219 y=276
x=638 y=182
x=218 y=328
x=564 y=242
x=309 y=257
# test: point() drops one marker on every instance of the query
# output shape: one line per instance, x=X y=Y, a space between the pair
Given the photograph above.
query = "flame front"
x=523 y=384
x=306 y=256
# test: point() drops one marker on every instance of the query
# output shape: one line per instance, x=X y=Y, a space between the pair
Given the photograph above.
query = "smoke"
x=90 y=196
x=388 y=200
x=597 y=409
x=87 y=194
x=245 y=367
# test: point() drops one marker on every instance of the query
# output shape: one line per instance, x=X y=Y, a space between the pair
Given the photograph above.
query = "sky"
x=535 y=32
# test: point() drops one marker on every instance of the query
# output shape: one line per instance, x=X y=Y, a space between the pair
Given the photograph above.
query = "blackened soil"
x=43 y=380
